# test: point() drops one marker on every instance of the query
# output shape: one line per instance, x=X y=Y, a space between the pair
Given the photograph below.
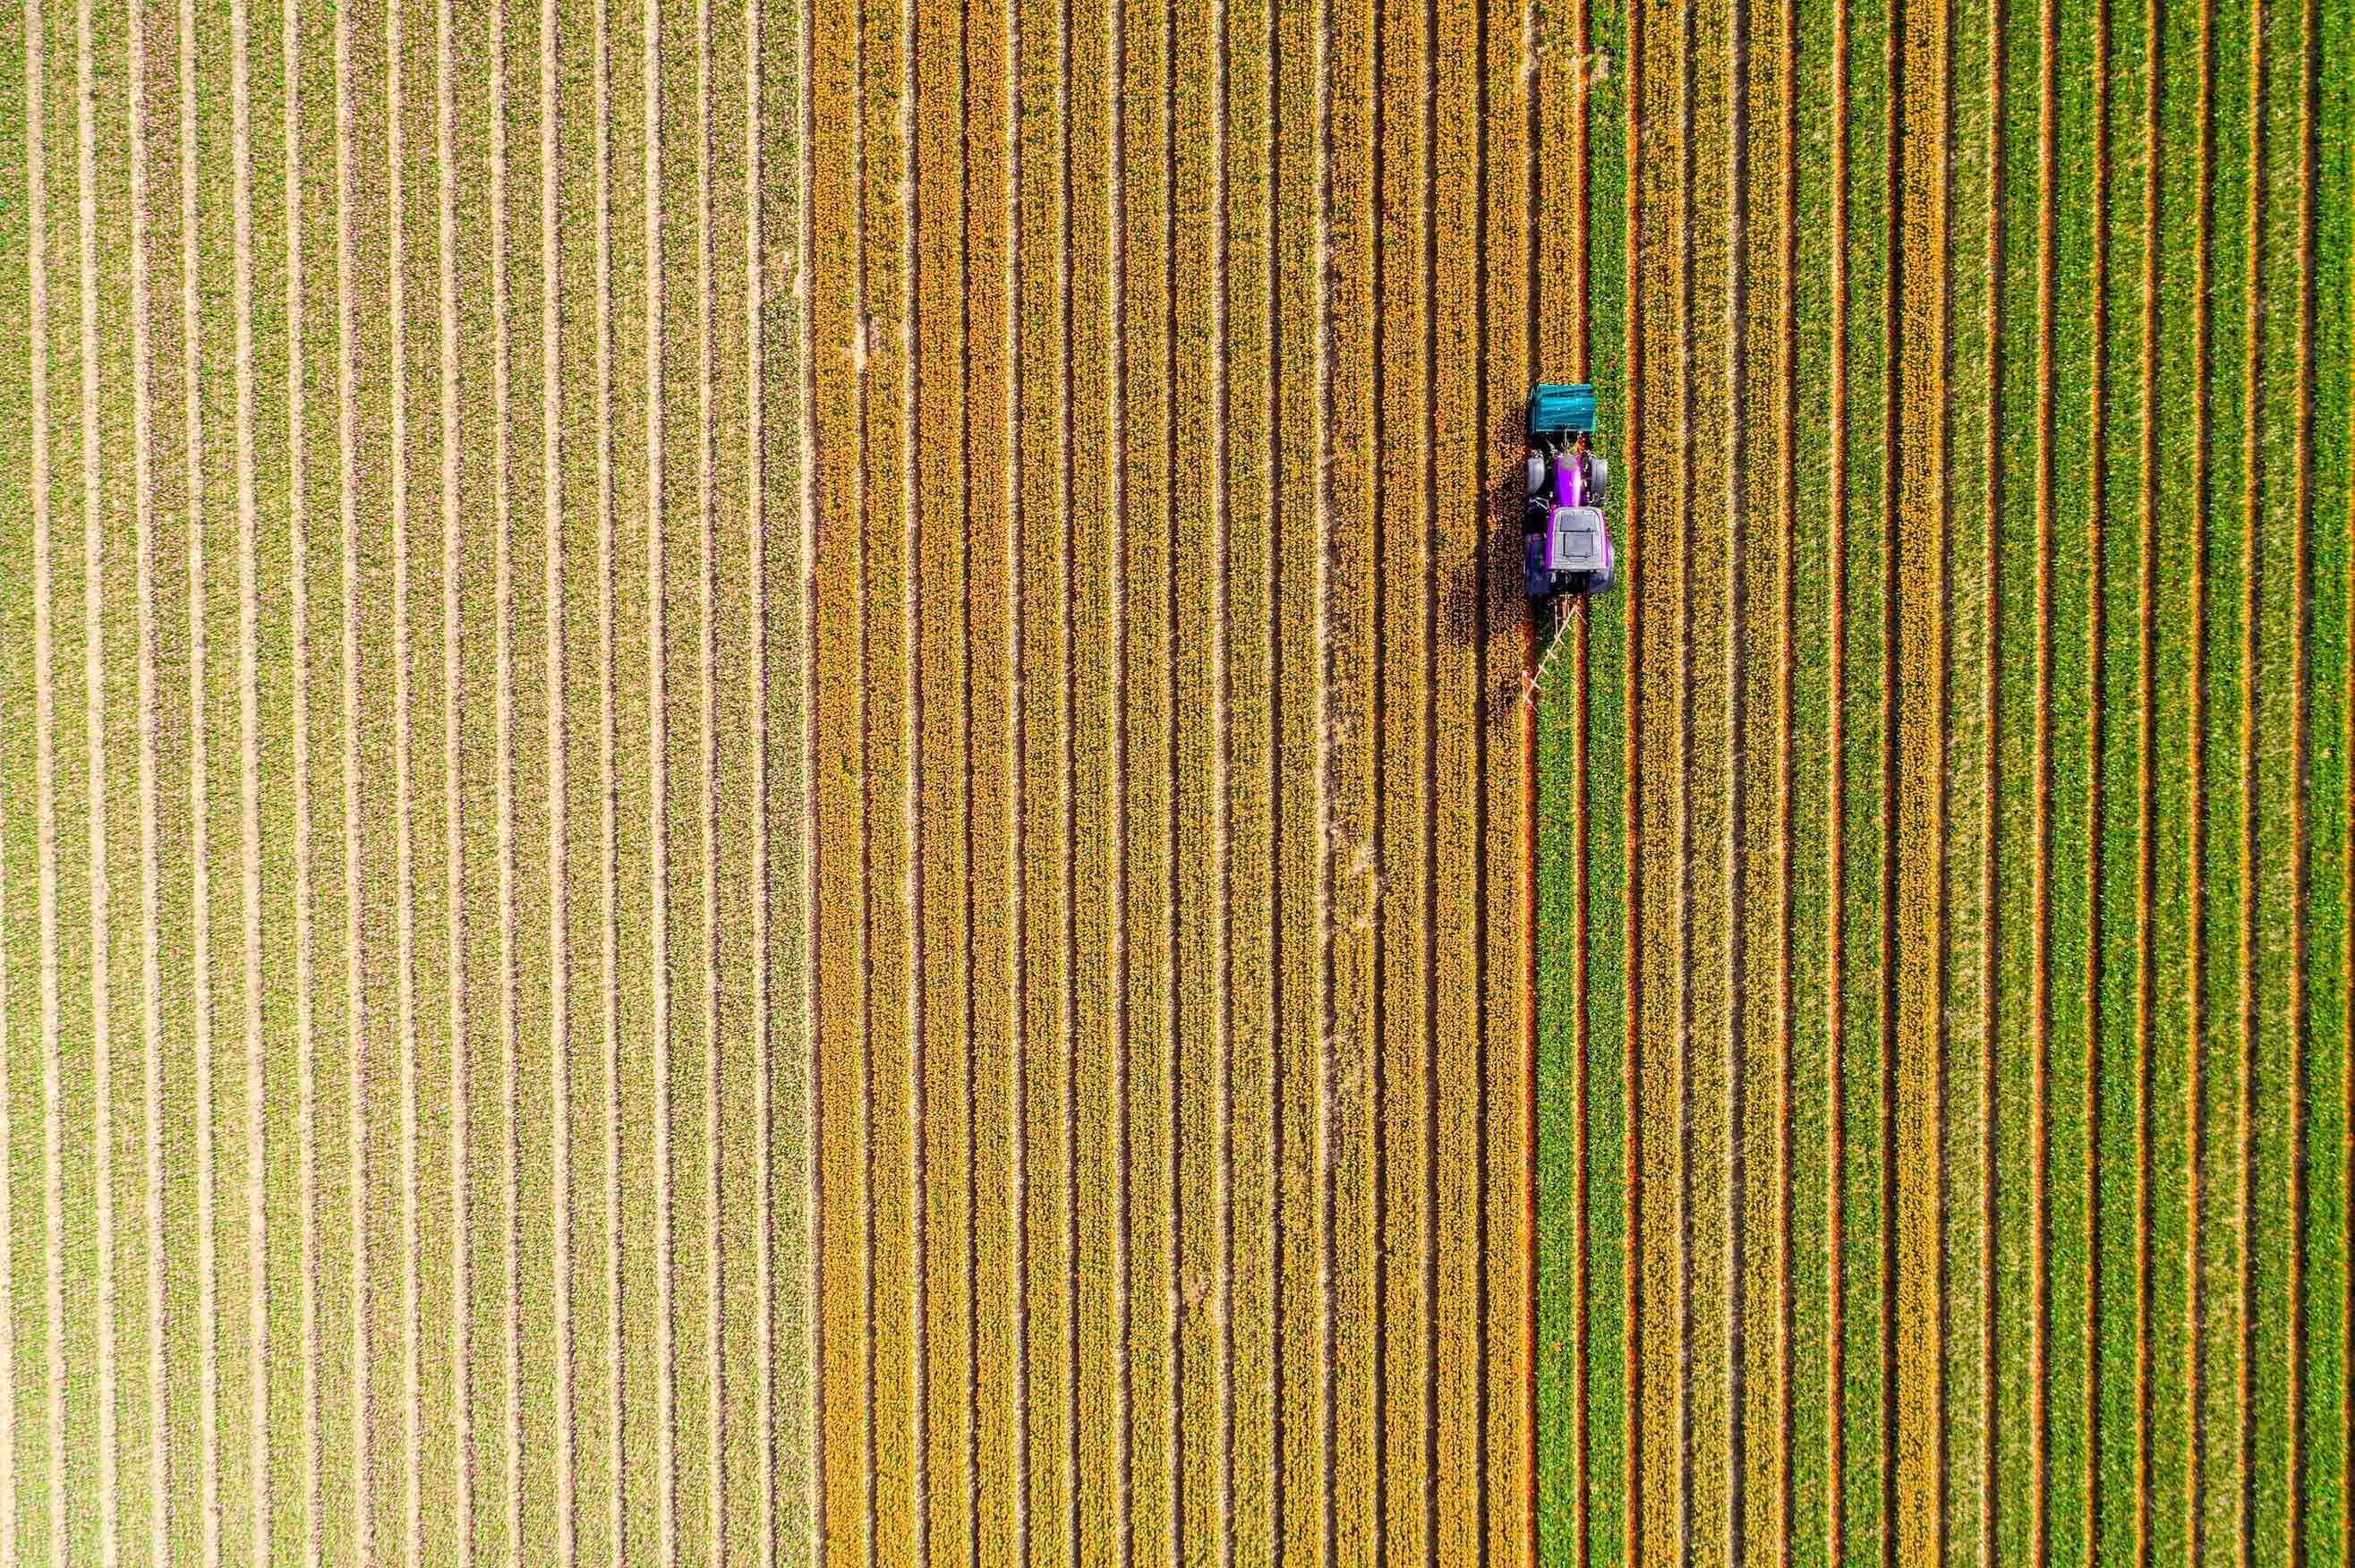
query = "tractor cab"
x=1566 y=540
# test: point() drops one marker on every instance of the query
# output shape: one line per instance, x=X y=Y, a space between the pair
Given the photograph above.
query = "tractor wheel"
x=1598 y=484
x=1537 y=479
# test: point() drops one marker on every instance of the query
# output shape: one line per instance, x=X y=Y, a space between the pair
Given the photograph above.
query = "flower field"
x=766 y=796
x=1942 y=895
x=769 y=789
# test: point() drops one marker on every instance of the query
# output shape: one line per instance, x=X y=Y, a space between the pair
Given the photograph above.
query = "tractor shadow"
x=1482 y=604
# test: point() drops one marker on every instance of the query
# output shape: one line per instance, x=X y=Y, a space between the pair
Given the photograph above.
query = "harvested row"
x=780 y=803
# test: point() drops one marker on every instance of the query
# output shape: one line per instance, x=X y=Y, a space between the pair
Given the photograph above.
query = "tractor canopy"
x=1559 y=411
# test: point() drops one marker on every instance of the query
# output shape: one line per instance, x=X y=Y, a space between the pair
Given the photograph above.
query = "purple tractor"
x=1566 y=541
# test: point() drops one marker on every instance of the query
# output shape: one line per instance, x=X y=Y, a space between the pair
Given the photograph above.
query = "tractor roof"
x=1559 y=409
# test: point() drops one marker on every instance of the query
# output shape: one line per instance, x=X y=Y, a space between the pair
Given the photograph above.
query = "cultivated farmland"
x=1944 y=877
x=767 y=790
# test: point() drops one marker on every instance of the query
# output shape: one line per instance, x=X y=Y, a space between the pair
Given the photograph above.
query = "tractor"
x=1566 y=543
